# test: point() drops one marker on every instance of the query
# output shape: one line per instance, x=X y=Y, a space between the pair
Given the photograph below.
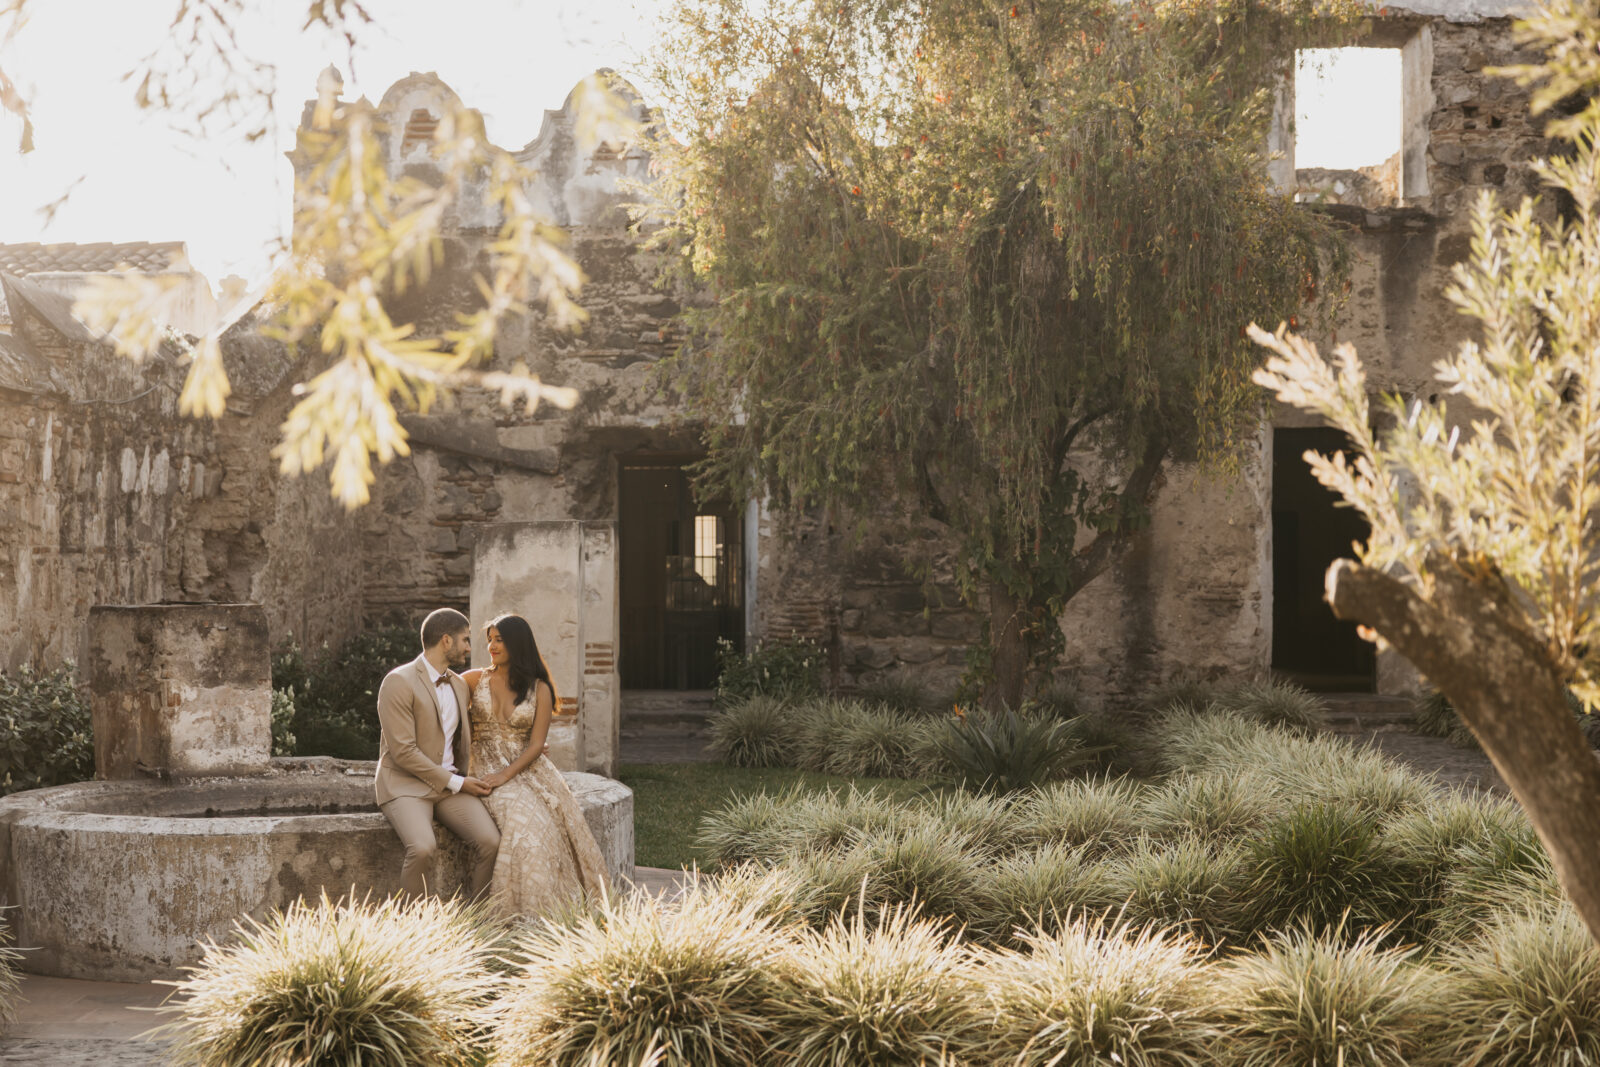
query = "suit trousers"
x=465 y=816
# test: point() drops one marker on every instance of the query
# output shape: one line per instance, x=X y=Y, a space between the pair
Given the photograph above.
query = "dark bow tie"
x=443 y=679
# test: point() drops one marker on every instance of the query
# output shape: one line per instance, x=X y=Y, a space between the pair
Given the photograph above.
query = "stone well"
x=124 y=879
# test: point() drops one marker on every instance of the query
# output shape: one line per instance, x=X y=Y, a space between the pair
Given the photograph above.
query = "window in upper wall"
x=1349 y=126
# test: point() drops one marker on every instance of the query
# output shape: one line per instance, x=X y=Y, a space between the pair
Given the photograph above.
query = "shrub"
x=1183 y=884
x=1094 y=812
x=1008 y=752
x=385 y=983
x=336 y=692
x=1275 y=703
x=640 y=983
x=1318 y=863
x=283 y=714
x=898 y=694
x=897 y=992
x=755 y=732
x=1040 y=891
x=1525 y=994
x=1322 y=1001
x=1209 y=805
x=1094 y=995
x=790 y=669
x=46 y=735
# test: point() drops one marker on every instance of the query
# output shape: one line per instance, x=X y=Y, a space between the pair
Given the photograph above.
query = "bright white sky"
x=1348 y=107
x=140 y=181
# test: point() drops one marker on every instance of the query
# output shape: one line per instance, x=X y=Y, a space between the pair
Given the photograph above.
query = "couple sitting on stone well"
x=468 y=750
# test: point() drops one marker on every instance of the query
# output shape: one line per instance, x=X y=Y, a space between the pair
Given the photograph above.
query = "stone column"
x=180 y=689
x=561 y=577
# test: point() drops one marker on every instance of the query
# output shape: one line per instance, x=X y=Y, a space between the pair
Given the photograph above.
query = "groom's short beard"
x=460 y=656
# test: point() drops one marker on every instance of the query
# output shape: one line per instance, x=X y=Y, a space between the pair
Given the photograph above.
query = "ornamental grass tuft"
x=10 y=986
x=1325 y=1001
x=1186 y=884
x=1276 y=703
x=899 y=991
x=1099 y=812
x=840 y=819
x=874 y=742
x=1323 y=866
x=929 y=869
x=1197 y=738
x=1440 y=835
x=758 y=731
x=1040 y=890
x=690 y=984
x=1213 y=806
x=752 y=827
x=1524 y=994
x=1093 y=994
x=382 y=984
x=1504 y=867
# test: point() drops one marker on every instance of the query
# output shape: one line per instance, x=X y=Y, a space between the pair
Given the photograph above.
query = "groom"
x=422 y=708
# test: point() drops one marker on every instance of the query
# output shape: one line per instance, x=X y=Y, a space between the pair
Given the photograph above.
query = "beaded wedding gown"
x=548 y=857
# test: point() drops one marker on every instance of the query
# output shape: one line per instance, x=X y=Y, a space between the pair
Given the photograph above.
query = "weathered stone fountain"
x=192 y=824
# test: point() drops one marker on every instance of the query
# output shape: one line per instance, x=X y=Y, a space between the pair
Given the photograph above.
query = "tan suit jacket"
x=412 y=740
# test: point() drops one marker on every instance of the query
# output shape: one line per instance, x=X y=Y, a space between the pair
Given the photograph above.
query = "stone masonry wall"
x=109 y=496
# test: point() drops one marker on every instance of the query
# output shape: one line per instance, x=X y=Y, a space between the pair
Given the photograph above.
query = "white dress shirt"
x=449 y=720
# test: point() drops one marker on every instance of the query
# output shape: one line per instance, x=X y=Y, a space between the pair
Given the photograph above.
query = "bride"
x=547 y=857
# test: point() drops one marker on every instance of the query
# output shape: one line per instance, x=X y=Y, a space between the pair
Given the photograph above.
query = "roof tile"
x=33 y=257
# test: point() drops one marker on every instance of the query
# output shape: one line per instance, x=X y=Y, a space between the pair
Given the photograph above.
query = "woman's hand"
x=496 y=780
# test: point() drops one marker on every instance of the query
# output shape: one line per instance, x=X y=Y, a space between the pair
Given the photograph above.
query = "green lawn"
x=670 y=798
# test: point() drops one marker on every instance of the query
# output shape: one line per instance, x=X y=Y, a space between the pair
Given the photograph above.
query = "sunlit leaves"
x=12 y=18
x=1503 y=470
x=361 y=236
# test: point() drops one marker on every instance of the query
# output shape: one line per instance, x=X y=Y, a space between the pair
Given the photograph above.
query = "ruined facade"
x=108 y=497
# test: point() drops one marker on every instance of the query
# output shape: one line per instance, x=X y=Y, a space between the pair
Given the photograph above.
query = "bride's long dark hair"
x=524 y=665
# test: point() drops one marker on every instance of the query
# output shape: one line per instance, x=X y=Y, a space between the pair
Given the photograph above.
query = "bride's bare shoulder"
x=471 y=677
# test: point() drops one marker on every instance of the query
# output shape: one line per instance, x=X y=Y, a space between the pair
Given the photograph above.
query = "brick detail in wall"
x=566 y=708
x=801 y=616
x=599 y=657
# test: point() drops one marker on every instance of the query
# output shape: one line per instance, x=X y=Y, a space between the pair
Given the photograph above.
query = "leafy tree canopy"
x=951 y=244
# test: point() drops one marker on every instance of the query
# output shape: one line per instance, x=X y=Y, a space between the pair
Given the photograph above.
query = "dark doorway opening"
x=1309 y=645
x=682 y=576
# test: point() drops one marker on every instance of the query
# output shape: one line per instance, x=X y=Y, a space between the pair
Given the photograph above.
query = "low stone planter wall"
x=123 y=880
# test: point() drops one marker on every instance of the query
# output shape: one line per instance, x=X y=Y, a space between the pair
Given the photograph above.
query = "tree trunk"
x=1475 y=643
x=1010 y=649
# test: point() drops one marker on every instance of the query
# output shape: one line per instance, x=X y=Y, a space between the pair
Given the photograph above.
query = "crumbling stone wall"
x=109 y=496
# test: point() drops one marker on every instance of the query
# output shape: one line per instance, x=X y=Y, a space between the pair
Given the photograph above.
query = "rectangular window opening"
x=1349 y=126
